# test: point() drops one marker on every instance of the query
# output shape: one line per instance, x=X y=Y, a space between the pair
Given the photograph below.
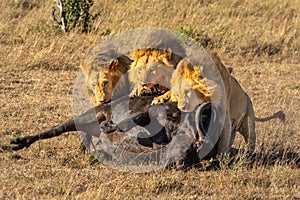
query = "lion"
x=101 y=79
x=146 y=62
x=189 y=88
x=241 y=108
x=186 y=76
x=188 y=92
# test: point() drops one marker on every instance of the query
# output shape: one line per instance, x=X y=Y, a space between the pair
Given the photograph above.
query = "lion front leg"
x=164 y=98
x=145 y=89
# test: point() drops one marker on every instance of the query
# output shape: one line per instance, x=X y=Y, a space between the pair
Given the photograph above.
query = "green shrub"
x=77 y=15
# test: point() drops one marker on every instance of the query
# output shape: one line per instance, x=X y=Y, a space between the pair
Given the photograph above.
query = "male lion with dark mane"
x=101 y=78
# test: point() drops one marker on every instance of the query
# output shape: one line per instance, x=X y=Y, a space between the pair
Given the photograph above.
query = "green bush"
x=77 y=15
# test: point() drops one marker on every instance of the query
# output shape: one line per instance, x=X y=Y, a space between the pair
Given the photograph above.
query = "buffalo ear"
x=120 y=62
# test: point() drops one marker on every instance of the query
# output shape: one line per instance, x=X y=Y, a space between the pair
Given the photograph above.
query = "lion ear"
x=84 y=69
x=184 y=66
x=169 y=54
x=125 y=60
x=180 y=67
x=122 y=60
x=230 y=70
x=198 y=68
x=113 y=65
x=121 y=63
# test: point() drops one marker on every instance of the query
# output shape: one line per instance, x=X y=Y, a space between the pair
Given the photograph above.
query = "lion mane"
x=142 y=73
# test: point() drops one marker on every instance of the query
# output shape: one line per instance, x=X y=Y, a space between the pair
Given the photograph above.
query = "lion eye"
x=90 y=92
x=105 y=83
x=187 y=94
x=93 y=85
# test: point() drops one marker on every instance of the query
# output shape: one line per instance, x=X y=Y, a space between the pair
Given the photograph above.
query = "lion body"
x=239 y=109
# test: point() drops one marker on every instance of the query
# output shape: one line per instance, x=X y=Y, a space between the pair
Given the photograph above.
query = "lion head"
x=188 y=86
x=147 y=66
x=101 y=80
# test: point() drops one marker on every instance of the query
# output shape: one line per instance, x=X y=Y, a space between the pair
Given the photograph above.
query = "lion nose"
x=101 y=100
x=183 y=107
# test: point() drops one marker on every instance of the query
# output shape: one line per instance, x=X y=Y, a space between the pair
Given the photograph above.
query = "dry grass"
x=38 y=66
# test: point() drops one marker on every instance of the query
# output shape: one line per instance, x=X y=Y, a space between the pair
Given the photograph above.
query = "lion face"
x=146 y=60
x=188 y=87
x=103 y=88
x=101 y=81
x=150 y=66
x=184 y=93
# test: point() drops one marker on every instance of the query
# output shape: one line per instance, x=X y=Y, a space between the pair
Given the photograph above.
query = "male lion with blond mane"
x=189 y=89
x=146 y=63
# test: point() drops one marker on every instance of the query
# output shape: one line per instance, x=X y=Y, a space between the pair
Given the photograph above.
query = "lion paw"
x=136 y=92
x=144 y=90
x=162 y=98
x=158 y=100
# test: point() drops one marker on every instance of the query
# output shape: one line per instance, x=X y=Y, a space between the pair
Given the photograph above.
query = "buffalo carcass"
x=151 y=127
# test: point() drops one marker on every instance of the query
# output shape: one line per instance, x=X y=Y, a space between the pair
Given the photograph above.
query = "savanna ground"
x=39 y=64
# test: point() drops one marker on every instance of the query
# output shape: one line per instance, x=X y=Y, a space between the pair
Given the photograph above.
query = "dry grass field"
x=39 y=64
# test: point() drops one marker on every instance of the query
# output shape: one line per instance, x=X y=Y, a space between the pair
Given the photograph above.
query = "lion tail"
x=280 y=115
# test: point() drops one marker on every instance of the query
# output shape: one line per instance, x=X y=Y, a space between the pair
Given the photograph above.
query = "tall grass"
x=251 y=30
x=38 y=65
